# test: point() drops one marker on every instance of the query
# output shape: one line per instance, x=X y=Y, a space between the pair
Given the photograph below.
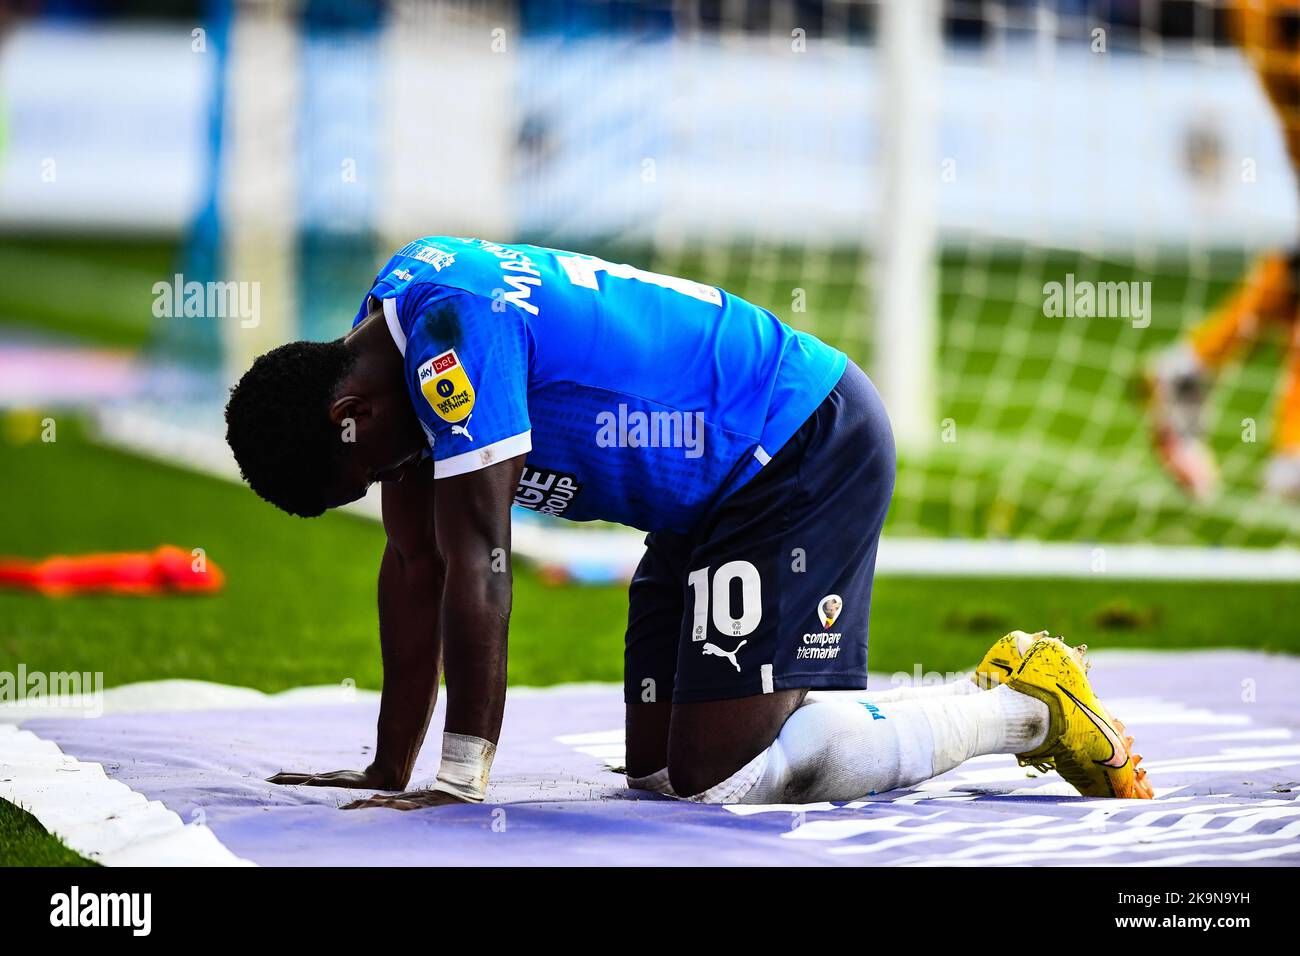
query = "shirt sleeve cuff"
x=481 y=458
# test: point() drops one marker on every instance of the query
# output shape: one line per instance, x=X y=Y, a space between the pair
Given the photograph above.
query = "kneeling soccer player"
x=761 y=463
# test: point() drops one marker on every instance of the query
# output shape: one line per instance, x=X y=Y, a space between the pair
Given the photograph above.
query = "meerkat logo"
x=447 y=388
x=828 y=609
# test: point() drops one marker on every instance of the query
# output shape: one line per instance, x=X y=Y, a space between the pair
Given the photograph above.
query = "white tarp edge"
x=102 y=819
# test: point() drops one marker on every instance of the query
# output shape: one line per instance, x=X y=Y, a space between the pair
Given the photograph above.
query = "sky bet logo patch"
x=446 y=387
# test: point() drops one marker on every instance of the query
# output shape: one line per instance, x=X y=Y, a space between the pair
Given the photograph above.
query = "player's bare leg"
x=646 y=740
x=655 y=611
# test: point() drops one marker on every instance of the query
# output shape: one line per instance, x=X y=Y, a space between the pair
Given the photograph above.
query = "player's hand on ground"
x=410 y=800
x=367 y=779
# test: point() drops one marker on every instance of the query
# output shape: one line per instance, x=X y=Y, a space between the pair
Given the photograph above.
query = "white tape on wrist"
x=466 y=763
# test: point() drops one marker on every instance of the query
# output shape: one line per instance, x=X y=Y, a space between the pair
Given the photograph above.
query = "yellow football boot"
x=1004 y=657
x=1084 y=744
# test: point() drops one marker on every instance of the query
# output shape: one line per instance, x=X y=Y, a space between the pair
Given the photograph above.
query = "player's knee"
x=719 y=778
x=698 y=761
x=758 y=780
x=692 y=779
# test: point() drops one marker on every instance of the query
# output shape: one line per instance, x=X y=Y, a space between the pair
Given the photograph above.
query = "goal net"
x=1003 y=209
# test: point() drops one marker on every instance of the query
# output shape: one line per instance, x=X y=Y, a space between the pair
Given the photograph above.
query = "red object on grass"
x=164 y=571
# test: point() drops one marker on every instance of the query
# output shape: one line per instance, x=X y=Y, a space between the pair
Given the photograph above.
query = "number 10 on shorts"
x=723 y=620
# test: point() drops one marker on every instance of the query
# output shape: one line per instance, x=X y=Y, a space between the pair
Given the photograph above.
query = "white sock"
x=656 y=782
x=837 y=750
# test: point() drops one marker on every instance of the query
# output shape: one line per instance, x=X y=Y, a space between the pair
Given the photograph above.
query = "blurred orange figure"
x=1179 y=380
x=166 y=570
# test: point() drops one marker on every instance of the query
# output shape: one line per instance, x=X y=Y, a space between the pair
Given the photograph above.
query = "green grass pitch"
x=24 y=842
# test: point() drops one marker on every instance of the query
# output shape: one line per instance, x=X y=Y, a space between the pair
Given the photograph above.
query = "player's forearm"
x=476 y=619
x=410 y=592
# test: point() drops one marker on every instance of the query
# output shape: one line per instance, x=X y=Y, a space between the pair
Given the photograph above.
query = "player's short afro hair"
x=278 y=424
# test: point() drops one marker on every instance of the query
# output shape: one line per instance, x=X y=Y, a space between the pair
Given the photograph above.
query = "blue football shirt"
x=638 y=398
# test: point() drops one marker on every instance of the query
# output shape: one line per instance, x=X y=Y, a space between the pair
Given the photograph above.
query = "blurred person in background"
x=1179 y=380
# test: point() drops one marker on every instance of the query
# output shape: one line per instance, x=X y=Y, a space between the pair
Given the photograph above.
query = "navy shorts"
x=773 y=590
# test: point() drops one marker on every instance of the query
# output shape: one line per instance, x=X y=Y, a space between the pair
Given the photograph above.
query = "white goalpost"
x=907 y=236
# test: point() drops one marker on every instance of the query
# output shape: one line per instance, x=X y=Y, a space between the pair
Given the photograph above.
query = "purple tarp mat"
x=1219 y=730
